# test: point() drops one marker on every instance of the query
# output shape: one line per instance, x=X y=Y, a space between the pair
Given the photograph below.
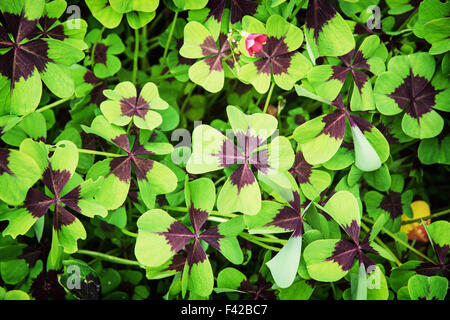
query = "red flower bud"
x=254 y=42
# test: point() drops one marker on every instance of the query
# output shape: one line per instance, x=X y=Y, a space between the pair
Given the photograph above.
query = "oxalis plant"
x=247 y=149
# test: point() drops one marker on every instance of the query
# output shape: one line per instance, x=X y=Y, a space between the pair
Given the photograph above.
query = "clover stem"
x=168 y=75
x=299 y=6
x=213 y=213
x=269 y=95
x=267 y=238
x=129 y=233
x=169 y=39
x=144 y=62
x=136 y=54
x=220 y=180
x=256 y=241
x=42 y=109
x=94 y=46
x=87 y=151
x=129 y=127
x=393 y=236
x=107 y=257
x=185 y=102
x=431 y=216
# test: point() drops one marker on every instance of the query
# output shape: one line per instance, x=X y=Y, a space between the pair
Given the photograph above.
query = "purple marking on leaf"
x=195 y=253
x=360 y=79
x=391 y=139
x=96 y=95
x=290 y=217
x=47 y=287
x=215 y=62
x=4 y=155
x=209 y=46
x=55 y=180
x=134 y=107
x=260 y=160
x=37 y=203
x=347 y=58
x=353 y=230
x=366 y=246
x=100 y=54
x=363 y=258
x=339 y=103
x=212 y=237
x=216 y=8
x=275 y=51
x=318 y=13
x=241 y=8
x=22 y=59
x=121 y=168
x=49 y=29
x=301 y=169
x=242 y=177
x=334 y=125
x=392 y=203
x=339 y=73
x=19 y=26
x=441 y=252
x=62 y=217
x=246 y=286
x=229 y=154
x=263 y=289
x=363 y=124
x=139 y=149
x=177 y=236
x=238 y=9
x=198 y=217
x=344 y=254
x=416 y=95
x=122 y=142
x=348 y=145
x=247 y=142
x=71 y=199
x=281 y=63
x=360 y=62
x=263 y=66
x=178 y=262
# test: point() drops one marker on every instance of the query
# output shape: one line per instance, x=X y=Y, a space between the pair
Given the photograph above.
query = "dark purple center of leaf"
x=178 y=235
x=38 y=203
x=121 y=166
x=392 y=203
x=301 y=170
x=318 y=13
x=290 y=217
x=100 y=54
x=4 y=155
x=22 y=58
x=213 y=55
x=245 y=154
x=262 y=290
x=334 y=125
x=385 y=130
x=359 y=62
x=416 y=95
x=275 y=57
x=49 y=29
x=134 y=107
x=238 y=9
x=353 y=230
